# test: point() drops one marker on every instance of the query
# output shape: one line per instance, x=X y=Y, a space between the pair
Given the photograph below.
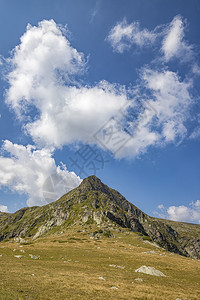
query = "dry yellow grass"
x=70 y=265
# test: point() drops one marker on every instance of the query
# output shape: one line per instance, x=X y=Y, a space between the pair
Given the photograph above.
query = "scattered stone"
x=149 y=252
x=22 y=250
x=33 y=256
x=101 y=278
x=114 y=288
x=14 y=250
x=149 y=271
x=139 y=279
x=18 y=256
x=0 y=255
x=115 y=266
x=33 y=274
x=19 y=240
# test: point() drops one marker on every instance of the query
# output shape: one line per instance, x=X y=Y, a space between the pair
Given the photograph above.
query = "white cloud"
x=171 y=36
x=181 y=213
x=43 y=56
x=44 y=66
x=77 y=114
x=196 y=69
x=174 y=44
x=122 y=36
x=161 y=207
x=3 y=208
x=161 y=115
x=34 y=173
x=94 y=11
x=195 y=134
x=172 y=101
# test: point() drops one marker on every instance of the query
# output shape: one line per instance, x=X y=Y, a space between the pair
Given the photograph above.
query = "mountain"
x=94 y=202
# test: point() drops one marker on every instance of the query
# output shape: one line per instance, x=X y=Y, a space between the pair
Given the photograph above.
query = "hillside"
x=95 y=203
x=87 y=264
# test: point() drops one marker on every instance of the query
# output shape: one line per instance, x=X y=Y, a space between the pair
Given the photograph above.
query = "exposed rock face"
x=93 y=201
x=192 y=248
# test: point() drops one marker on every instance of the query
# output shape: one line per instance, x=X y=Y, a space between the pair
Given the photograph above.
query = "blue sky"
x=109 y=88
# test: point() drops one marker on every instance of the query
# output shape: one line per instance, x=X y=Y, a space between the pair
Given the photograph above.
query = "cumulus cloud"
x=181 y=213
x=123 y=35
x=34 y=173
x=174 y=44
x=161 y=119
x=172 y=101
x=77 y=114
x=3 y=208
x=42 y=60
x=44 y=67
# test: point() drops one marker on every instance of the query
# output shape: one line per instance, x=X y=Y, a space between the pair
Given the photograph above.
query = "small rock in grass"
x=101 y=278
x=149 y=271
x=149 y=252
x=18 y=256
x=115 y=266
x=139 y=279
x=114 y=288
x=33 y=256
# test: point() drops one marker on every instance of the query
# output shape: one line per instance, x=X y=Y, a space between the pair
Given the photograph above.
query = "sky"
x=106 y=88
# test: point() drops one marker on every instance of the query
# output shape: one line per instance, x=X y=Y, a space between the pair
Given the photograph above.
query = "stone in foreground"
x=150 y=271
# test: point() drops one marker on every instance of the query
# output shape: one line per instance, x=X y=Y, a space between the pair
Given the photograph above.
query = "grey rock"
x=150 y=271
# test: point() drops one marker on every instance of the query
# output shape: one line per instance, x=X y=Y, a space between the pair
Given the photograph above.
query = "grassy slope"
x=70 y=265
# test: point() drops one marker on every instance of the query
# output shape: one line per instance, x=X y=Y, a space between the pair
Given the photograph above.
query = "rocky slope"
x=94 y=202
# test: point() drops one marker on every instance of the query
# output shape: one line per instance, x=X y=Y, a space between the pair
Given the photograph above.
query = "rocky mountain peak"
x=93 y=202
x=93 y=183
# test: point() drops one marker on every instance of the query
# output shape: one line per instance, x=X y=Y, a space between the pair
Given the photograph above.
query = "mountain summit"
x=93 y=183
x=93 y=202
